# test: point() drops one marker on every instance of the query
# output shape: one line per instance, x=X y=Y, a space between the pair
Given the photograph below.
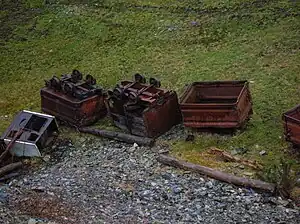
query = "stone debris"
x=262 y=153
x=108 y=182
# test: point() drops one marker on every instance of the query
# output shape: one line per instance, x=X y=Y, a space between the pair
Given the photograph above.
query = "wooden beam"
x=119 y=136
x=219 y=175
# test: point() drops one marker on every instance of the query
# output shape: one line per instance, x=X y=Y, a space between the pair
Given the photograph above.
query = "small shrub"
x=281 y=174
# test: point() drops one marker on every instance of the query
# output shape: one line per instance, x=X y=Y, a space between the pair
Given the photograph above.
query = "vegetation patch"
x=179 y=42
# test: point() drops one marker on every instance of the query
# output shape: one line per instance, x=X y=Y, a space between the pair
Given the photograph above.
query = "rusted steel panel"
x=144 y=109
x=291 y=121
x=73 y=100
x=218 y=104
x=160 y=118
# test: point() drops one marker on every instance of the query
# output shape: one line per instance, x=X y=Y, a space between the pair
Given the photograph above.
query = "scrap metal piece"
x=218 y=104
x=143 y=109
x=73 y=100
x=291 y=124
x=35 y=132
x=119 y=92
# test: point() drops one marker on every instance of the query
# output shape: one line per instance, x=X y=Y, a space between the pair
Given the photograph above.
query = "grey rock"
x=283 y=202
x=167 y=176
x=172 y=28
x=177 y=190
x=106 y=183
x=3 y=197
x=234 y=152
x=241 y=150
x=194 y=23
x=209 y=184
x=163 y=151
x=47 y=158
x=32 y=221
x=262 y=153
x=38 y=189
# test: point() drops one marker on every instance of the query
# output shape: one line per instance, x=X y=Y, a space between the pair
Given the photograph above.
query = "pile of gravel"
x=103 y=181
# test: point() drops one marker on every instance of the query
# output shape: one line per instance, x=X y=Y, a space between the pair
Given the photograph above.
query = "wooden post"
x=10 y=167
x=219 y=175
x=10 y=144
x=119 y=136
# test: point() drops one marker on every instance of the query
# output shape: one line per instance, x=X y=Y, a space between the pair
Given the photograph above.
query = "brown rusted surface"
x=144 y=109
x=44 y=206
x=218 y=104
x=73 y=100
x=291 y=121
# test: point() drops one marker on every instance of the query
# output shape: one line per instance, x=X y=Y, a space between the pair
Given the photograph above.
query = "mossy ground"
x=176 y=41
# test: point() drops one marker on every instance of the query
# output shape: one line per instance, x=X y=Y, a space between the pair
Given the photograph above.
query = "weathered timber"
x=10 y=145
x=10 y=167
x=230 y=158
x=219 y=175
x=119 y=136
x=9 y=176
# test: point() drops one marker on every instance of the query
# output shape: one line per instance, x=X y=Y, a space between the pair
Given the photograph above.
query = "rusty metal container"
x=143 y=109
x=217 y=104
x=73 y=100
x=291 y=121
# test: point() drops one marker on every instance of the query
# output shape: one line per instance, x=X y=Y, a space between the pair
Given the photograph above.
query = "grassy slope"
x=177 y=41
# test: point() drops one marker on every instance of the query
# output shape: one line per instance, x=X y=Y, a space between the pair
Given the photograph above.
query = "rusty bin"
x=216 y=104
x=143 y=109
x=291 y=121
x=73 y=100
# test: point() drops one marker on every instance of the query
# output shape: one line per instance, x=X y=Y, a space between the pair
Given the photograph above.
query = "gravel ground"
x=109 y=182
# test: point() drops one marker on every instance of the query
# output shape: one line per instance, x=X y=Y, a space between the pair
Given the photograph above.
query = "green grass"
x=176 y=41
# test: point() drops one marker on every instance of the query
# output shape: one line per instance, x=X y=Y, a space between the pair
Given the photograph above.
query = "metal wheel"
x=90 y=79
x=118 y=93
x=55 y=83
x=133 y=97
x=48 y=83
x=76 y=75
x=68 y=88
x=110 y=92
x=154 y=82
x=139 y=78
